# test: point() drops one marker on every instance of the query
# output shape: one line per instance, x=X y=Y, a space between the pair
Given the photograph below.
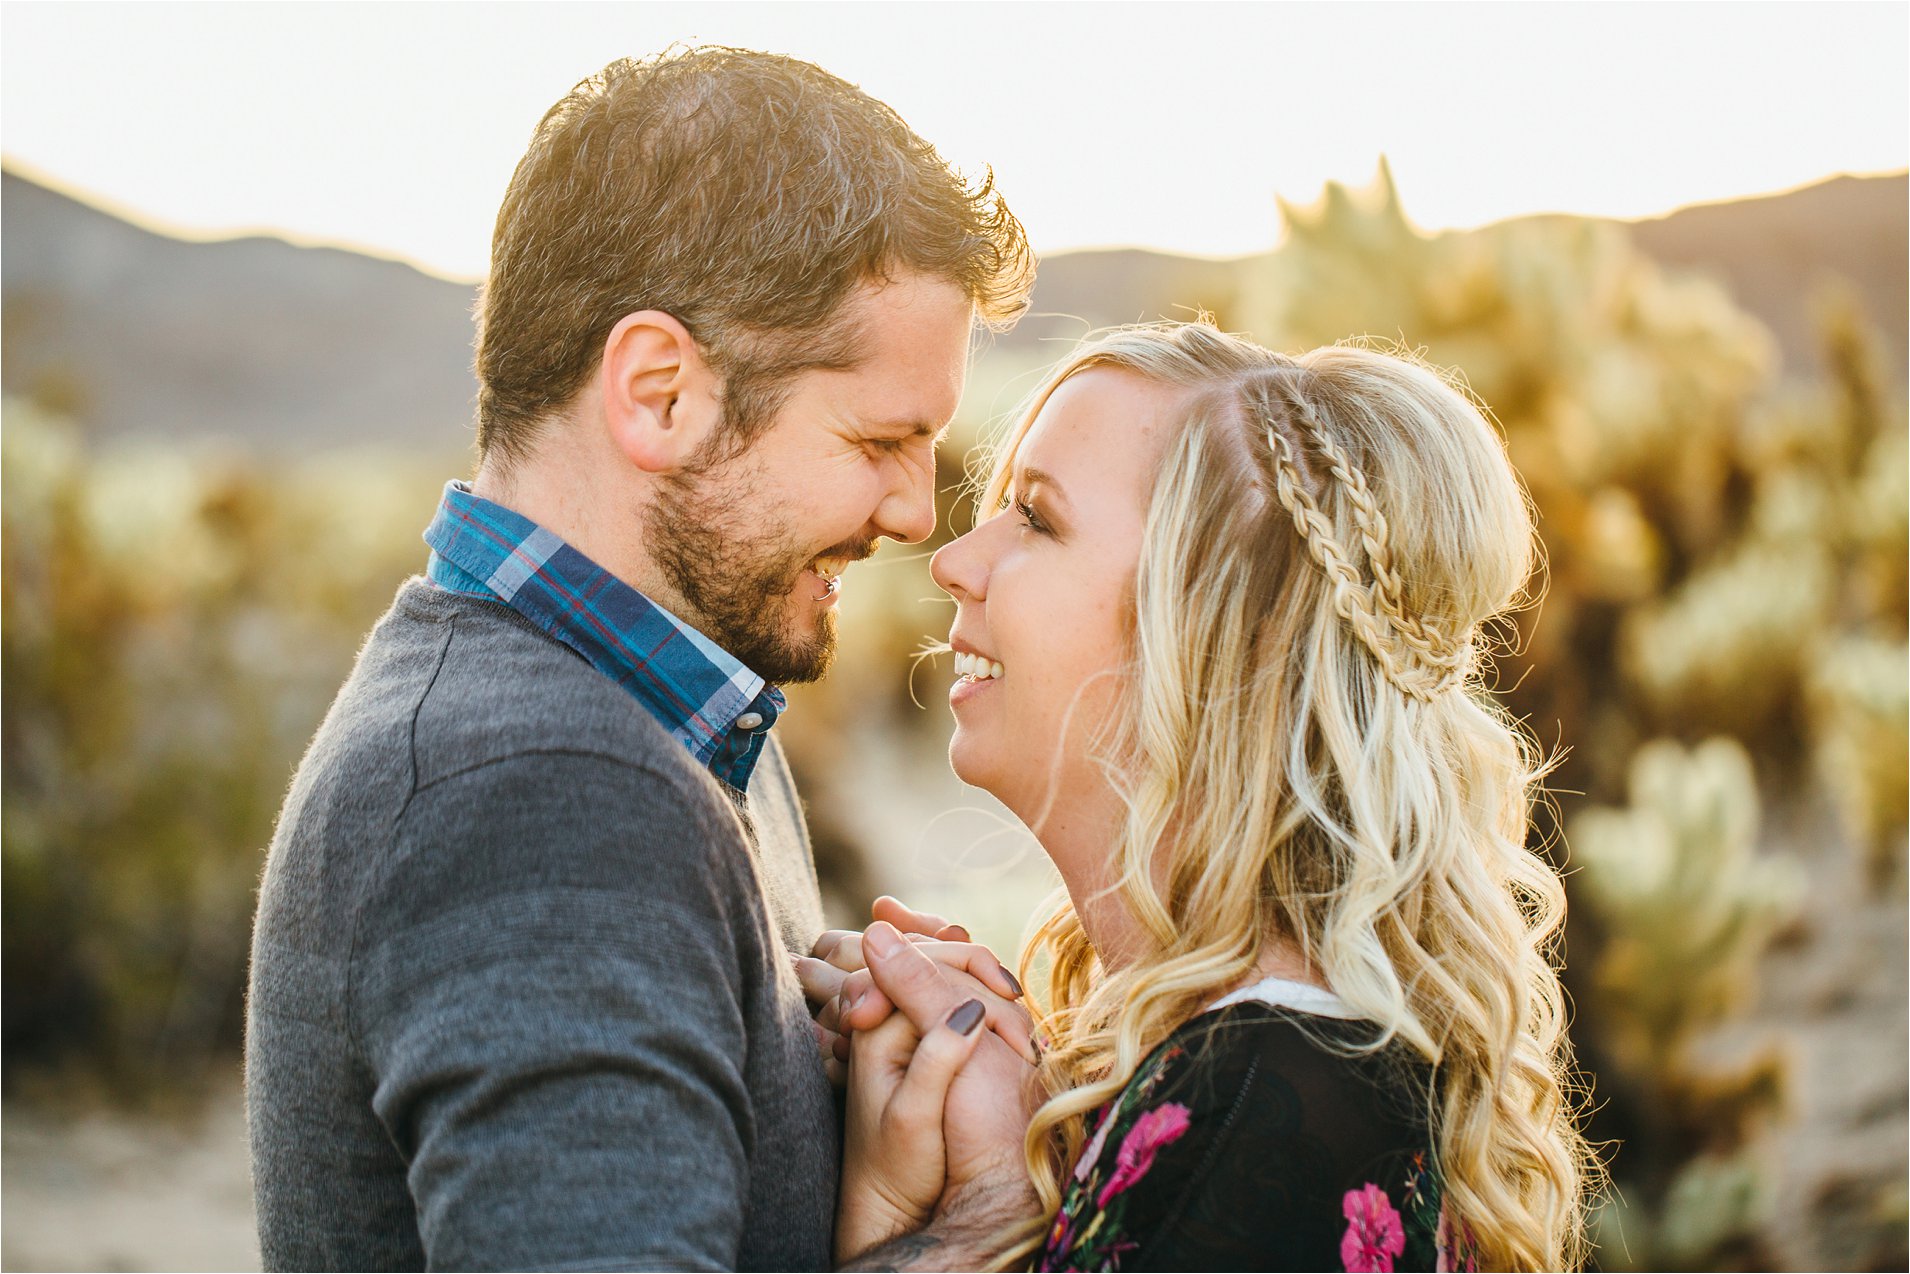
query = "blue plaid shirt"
x=705 y=698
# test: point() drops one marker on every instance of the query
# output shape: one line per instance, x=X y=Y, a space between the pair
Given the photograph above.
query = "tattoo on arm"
x=909 y=1252
x=967 y=1236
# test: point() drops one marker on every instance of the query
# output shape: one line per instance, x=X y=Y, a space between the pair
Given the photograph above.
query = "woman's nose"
x=958 y=570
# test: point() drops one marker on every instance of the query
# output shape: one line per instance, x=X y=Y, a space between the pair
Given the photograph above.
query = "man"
x=521 y=989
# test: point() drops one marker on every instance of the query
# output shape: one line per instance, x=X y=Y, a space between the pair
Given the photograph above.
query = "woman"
x=1217 y=648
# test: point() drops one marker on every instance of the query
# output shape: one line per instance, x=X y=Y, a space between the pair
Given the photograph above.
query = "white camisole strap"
x=1287 y=994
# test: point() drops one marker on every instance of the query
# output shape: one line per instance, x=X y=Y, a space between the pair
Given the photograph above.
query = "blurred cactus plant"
x=1687 y=906
x=1860 y=715
x=1686 y=903
x=1707 y=528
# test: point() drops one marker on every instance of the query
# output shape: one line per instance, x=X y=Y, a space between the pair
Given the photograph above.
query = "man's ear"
x=659 y=397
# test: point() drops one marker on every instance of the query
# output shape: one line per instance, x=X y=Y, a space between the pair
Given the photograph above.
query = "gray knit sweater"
x=520 y=989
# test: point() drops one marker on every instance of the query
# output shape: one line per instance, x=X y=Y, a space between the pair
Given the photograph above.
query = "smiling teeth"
x=975 y=667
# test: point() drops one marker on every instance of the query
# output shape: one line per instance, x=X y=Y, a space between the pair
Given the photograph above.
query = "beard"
x=743 y=589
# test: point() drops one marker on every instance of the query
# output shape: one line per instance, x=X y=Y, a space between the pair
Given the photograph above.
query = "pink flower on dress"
x=1092 y=1154
x=1159 y=1127
x=1374 y=1235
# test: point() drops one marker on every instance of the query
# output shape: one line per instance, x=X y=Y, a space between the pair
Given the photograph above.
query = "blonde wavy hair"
x=1308 y=754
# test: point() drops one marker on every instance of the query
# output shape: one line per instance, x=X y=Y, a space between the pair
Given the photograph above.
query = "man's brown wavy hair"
x=746 y=194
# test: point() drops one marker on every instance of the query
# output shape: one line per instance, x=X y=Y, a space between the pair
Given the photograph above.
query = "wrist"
x=1000 y=1196
x=867 y=1218
x=973 y=1224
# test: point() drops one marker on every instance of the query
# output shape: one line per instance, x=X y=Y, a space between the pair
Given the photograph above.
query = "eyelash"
x=1027 y=512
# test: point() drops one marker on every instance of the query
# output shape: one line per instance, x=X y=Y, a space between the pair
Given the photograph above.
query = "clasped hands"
x=925 y=1029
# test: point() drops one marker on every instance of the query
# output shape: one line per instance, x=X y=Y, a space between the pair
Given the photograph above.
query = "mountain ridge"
x=299 y=349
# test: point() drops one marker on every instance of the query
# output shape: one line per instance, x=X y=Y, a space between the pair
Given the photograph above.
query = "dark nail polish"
x=1014 y=983
x=965 y=1019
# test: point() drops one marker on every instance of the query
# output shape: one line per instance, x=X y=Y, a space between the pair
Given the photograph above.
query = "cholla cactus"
x=1728 y=646
x=1860 y=718
x=1603 y=368
x=1714 y=1207
x=1686 y=902
x=1688 y=907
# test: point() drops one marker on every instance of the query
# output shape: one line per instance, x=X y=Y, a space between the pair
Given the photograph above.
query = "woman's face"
x=1044 y=590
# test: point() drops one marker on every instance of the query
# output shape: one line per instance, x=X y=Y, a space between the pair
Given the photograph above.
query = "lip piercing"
x=830 y=584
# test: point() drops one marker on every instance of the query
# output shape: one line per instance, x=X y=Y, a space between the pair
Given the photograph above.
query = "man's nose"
x=907 y=514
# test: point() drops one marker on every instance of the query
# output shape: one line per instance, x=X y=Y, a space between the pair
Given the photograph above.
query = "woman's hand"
x=984 y=1119
x=990 y=1101
x=903 y=1171
x=895 y=1159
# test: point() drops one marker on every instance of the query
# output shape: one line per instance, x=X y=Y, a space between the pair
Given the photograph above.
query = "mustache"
x=852 y=550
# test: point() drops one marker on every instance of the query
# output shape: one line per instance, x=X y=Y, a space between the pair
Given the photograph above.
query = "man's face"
x=755 y=544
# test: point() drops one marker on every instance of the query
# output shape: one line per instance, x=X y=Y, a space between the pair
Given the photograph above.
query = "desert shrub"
x=174 y=626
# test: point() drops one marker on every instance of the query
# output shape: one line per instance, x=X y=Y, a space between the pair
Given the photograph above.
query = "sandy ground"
x=1837 y=1002
x=110 y=1190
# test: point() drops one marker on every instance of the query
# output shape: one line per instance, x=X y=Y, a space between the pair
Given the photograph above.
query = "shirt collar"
x=703 y=695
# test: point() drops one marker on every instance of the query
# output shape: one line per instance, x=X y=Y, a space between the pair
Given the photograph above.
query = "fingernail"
x=849 y=1004
x=965 y=1019
x=1014 y=983
x=959 y=934
x=882 y=940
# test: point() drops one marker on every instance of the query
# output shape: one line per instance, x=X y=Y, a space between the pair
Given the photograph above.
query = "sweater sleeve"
x=547 y=991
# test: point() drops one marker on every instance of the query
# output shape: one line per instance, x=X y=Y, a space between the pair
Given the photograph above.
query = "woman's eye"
x=1029 y=516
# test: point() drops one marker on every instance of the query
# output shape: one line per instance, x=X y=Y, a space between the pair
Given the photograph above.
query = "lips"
x=831 y=568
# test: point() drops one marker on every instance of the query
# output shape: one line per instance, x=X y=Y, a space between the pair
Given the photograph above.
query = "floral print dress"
x=1246 y=1142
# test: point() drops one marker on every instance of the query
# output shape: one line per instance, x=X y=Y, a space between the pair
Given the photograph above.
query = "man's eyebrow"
x=912 y=428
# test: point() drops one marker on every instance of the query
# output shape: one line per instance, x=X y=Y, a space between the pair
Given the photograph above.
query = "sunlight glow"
x=395 y=127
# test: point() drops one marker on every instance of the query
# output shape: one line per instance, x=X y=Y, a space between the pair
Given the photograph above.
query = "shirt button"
x=749 y=721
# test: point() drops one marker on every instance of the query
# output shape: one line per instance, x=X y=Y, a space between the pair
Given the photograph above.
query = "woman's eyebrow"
x=1045 y=480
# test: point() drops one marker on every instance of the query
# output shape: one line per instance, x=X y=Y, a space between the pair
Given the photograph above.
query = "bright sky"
x=395 y=127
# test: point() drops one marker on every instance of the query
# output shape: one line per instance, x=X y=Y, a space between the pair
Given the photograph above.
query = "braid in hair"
x=1413 y=654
